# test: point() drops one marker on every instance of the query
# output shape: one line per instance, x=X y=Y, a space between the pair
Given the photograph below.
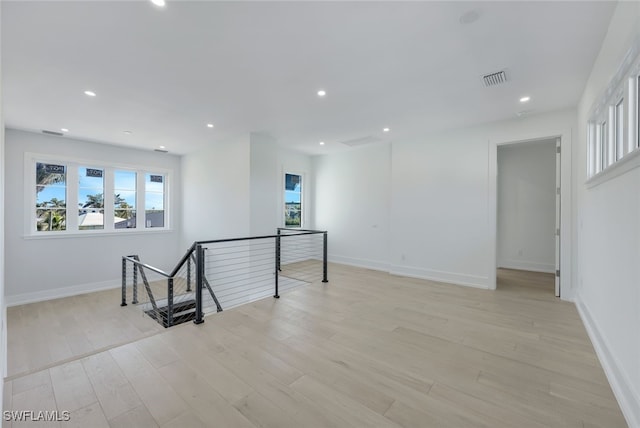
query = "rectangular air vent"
x=362 y=141
x=161 y=151
x=494 y=79
x=58 y=134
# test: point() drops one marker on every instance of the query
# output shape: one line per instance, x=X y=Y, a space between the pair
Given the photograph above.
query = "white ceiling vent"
x=362 y=141
x=494 y=79
x=57 y=134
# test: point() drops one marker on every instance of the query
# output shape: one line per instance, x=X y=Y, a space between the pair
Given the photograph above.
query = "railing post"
x=324 y=257
x=135 y=285
x=277 y=296
x=124 y=282
x=169 y=302
x=189 y=274
x=278 y=250
x=199 y=281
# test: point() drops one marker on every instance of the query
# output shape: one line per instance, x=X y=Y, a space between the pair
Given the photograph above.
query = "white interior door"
x=558 y=217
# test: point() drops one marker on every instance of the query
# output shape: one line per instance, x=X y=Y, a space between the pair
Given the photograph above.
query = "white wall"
x=427 y=207
x=443 y=205
x=264 y=185
x=608 y=235
x=526 y=206
x=216 y=192
x=48 y=267
x=352 y=194
x=3 y=309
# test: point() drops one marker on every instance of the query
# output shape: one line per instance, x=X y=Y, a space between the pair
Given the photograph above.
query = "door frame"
x=565 y=207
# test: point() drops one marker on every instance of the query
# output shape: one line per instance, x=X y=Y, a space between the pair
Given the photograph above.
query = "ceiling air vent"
x=57 y=134
x=494 y=79
x=161 y=151
x=362 y=141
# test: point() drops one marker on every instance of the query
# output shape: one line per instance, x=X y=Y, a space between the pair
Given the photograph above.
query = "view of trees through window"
x=51 y=196
x=54 y=203
x=293 y=200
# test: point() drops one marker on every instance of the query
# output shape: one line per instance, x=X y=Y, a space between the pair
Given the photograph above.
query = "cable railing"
x=226 y=273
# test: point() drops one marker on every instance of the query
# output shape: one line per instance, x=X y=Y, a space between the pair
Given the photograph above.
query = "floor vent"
x=494 y=79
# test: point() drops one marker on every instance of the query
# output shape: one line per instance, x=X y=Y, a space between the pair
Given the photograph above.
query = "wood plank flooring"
x=366 y=349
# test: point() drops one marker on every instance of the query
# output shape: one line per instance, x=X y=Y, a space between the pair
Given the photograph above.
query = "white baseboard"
x=363 y=263
x=475 y=281
x=628 y=398
x=526 y=265
x=56 y=293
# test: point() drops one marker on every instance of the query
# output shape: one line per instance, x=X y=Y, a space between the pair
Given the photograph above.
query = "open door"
x=558 y=217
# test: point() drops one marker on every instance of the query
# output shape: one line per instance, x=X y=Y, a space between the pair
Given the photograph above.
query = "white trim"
x=565 y=136
x=628 y=398
x=526 y=265
x=627 y=163
x=56 y=293
x=95 y=233
x=475 y=281
x=363 y=263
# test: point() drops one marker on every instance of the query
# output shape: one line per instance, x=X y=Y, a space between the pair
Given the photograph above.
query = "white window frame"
x=72 y=165
x=610 y=154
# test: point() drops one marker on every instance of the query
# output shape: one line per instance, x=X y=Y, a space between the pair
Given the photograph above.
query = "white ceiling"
x=256 y=66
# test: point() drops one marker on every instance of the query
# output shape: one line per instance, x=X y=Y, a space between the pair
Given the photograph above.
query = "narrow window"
x=293 y=200
x=124 y=199
x=604 y=145
x=90 y=198
x=154 y=200
x=51 y=197
x=619 y=131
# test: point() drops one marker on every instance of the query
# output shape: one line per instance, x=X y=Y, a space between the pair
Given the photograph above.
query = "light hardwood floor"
x=367 y=349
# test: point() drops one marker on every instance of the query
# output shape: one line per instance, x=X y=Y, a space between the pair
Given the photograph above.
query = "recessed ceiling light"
x=209 y=125
x=322 y=143
x=64 y=129
x=386 y=130
x=322 y=93
x=524 y=99
x=127 y=132
x=162 y=147
x=160 y=3
x=90 y=93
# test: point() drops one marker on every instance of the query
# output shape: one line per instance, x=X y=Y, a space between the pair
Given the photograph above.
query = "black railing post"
x=278 y=249
x=189 y=274
x=124 y=282
x=135 y=285
x=169 y=302
x=324 y=257
x=277 y=296
x=199 y=281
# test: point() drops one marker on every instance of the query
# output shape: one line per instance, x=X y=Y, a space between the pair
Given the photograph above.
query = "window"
x=604 y=145
x=154 y=200
x=124 y=199
x=84 y=197
x=293 y=200
x=619 y=130
x=90 y=198
x=51 y=196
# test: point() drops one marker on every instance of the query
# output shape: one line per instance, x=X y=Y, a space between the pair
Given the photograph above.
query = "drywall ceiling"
x=164 y=73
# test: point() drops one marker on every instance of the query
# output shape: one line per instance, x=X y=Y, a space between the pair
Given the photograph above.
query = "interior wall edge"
x=628 y=398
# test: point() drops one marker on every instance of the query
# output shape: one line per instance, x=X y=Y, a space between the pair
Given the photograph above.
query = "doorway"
x=528 y=214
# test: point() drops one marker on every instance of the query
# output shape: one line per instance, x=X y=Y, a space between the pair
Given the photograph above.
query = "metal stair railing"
x=233 y=271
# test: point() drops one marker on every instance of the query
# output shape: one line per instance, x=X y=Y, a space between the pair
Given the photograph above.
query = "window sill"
x=95 y=234
x=626 y=164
